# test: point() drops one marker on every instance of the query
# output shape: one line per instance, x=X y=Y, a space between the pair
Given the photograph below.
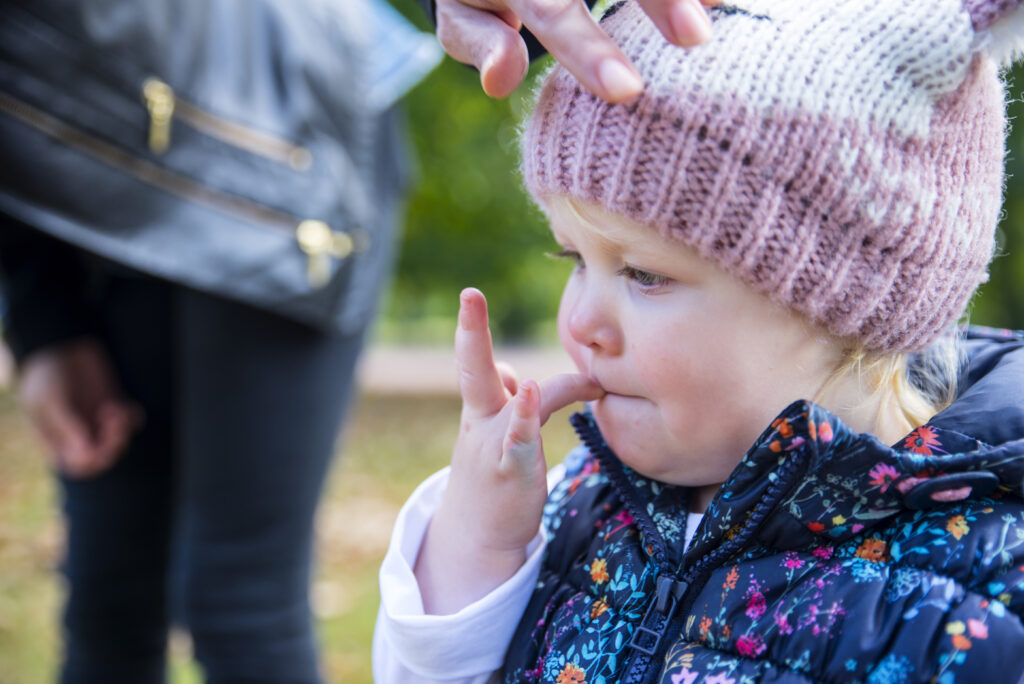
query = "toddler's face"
x=695 y=364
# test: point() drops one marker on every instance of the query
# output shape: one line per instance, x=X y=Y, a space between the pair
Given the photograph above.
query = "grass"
x=391 y=443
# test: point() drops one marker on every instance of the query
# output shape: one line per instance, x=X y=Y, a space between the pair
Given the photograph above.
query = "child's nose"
x=592 y=322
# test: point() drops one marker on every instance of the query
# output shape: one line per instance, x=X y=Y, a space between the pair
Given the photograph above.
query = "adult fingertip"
x=504 y=69
x=496 y=85
x=689 y=23
x=73 y=462
x=620 y=83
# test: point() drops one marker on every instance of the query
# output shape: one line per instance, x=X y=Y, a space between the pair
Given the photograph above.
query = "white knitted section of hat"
x=1004 y=40
x=884 y=63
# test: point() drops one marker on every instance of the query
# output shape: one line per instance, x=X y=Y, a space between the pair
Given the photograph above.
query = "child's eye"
x=645 y=279
x=566 y=253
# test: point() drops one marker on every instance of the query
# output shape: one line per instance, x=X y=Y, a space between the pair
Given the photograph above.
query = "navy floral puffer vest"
x=826 y=557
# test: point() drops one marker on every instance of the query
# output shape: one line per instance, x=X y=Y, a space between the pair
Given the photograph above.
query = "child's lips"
x=606 y=392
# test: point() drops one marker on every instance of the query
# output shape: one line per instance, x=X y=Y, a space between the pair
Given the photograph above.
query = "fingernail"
x=462 y=309
x=523 y=399
x=618 y=81
x=488 y=62
x=689 y=22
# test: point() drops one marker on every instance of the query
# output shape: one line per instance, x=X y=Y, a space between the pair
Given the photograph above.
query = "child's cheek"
x=571 y=346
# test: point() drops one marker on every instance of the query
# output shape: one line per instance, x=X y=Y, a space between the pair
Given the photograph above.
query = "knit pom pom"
x=1003 y=41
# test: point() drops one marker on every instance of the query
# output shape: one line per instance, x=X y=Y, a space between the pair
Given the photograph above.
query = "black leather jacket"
x=190 y=140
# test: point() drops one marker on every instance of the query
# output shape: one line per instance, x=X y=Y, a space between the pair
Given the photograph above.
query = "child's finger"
x=483 y=392
x=522 y=439
x=508 y=377
x=559 y=391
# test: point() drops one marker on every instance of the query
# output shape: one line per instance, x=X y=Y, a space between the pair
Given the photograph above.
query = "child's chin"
x=645 y=448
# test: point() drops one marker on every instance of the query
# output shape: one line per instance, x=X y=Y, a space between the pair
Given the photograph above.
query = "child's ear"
x=1000 y=28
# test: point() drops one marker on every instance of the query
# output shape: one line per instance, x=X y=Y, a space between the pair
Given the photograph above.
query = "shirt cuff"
x=467 y=644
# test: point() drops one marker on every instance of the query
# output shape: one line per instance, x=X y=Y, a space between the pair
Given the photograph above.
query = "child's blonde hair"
x=917 y=384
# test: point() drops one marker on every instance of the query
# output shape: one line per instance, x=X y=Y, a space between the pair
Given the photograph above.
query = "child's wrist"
x=457 y=567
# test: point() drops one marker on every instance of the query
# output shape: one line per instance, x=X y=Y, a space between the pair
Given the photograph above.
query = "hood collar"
x=850 y=482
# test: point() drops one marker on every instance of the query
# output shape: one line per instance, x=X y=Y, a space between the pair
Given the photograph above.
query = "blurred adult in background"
x=197 y=203
x=197 y=210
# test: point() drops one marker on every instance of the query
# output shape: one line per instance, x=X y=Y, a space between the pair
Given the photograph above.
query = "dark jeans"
x=208 y=516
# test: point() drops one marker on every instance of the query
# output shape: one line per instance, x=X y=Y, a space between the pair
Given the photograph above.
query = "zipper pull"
x=651 y=630
x=159 y=99
x=321 y=244
x=315 y=239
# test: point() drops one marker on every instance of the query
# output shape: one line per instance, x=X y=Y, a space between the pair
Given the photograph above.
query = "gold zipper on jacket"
x=321 y=244
x=163 y=106
x=315 y=238
x=160 y=102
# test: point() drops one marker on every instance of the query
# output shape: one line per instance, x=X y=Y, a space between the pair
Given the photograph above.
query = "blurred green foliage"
x=470 y=223
x=1001 y=301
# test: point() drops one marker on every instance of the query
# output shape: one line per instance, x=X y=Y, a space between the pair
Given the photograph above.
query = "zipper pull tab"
x=159 y=99
x=651 y=630
x=321 y=244
x=315 y=239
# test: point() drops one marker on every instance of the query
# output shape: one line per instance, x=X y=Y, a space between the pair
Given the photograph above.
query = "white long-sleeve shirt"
x=467 y=647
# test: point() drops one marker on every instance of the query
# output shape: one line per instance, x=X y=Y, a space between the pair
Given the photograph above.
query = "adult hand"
x=72 y=397
x=485 y=33
x=492 y=507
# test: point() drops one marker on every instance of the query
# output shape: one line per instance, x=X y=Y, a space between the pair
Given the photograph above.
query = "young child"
x=791 y=218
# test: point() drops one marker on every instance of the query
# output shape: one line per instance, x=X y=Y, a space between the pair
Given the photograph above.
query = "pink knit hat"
x=844 y=157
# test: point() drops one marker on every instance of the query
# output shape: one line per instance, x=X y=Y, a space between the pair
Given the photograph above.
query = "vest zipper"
x=674 y=596
x=315 y=238
x=164 y=106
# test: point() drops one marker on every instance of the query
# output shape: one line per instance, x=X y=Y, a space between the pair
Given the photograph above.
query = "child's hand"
x=498 y=484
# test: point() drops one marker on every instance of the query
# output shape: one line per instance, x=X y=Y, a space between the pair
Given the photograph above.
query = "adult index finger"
x=683 y=22
x=483 y=392
x=559 y=391
x=571 y=35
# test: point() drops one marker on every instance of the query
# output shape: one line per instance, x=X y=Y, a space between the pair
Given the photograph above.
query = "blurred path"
x=414 y=370
x=6 y=368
